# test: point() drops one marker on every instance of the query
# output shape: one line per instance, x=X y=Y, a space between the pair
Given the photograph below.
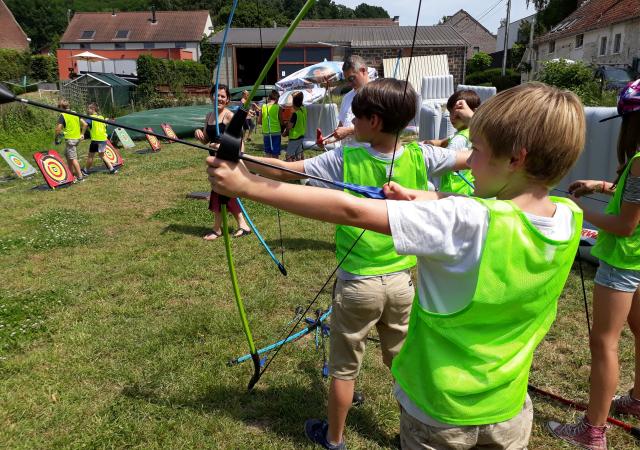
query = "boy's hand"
x=342 y=132
x=214 y=145
x=584 y=187
x=226 y=177
x=394 y=191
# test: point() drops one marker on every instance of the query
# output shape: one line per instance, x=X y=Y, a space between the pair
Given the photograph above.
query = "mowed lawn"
x=117 y=320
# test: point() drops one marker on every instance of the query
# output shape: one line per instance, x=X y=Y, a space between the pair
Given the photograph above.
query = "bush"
x=13 y=64
x=479 y=62
x=565 y=75
x=493 y=77
x=44 y=68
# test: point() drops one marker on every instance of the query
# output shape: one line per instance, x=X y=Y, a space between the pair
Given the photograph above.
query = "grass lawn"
x=117 y=320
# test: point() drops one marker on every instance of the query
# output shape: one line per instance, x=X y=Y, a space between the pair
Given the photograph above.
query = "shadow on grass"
x=281 y=409
x=192 y=230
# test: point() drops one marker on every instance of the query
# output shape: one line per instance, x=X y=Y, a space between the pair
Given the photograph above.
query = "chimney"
x=153 y=14
x=275 y=24
x=396 y=19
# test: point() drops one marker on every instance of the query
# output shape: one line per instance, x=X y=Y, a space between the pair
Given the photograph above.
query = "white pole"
x=506 y=39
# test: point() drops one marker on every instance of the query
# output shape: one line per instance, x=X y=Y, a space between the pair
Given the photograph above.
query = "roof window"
x=122 y=34
x=88 y=34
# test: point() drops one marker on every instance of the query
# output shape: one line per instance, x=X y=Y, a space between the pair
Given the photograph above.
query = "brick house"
x=244 y=57
x=598 y=32
x=123 y=36
x=11 y=34
x=480 y=39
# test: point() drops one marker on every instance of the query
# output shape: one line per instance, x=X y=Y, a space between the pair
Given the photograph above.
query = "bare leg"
x=242 y=224
x=89 y=163
x=75 y=167
x=106 y=162
x=217 y=228
x=340 y=398
x=610 y=311
x=634 y=324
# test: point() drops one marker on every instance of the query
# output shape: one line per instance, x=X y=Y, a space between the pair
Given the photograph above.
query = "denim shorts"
x=624 y=280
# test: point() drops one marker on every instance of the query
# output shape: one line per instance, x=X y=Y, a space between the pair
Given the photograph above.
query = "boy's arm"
x=275 y=173
x=234 y=180
x=461 y=160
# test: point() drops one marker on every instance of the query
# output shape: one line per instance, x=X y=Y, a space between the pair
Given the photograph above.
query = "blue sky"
x=432 y=11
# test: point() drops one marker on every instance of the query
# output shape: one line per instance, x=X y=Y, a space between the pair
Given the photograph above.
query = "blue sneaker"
x=316 y=431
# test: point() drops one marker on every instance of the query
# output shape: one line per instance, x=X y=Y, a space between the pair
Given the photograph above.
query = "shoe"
x=358 y=399
x=242 y=231
x=212 y=236
x=625 y=404
x=316 y=431
x=78 y=179
x=113 y=171
x=581 y=434
x=84 y=172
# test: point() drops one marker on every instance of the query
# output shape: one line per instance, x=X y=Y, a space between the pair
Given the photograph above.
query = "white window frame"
x=581 y=36
x=617 y=42
x=603 y=43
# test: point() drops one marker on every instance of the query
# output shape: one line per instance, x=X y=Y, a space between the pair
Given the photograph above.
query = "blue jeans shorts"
x=624 y=280
x=272 y=144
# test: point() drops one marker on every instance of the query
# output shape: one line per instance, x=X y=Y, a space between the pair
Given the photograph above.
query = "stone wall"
x=455 y=56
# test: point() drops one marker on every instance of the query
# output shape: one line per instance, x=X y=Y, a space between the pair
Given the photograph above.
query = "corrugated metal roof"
x=357 y=37
x=170 y=26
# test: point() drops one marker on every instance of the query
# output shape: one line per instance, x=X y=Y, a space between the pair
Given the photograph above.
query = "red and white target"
x=168 y=131
x=112 y=155
x=54 y=170
x=152 y=140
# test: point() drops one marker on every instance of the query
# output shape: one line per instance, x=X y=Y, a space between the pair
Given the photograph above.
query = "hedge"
x=493 y=77
x=175 y=73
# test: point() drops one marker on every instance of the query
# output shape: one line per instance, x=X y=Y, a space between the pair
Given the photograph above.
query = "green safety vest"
x=622 y=252
x=451 y=181
x=301 y=124
x=471 y=367
x=375 y=254
x=98 y=130
x=270 y=119
x=71 y=126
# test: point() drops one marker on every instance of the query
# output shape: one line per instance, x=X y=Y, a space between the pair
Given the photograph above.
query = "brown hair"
x=469 y=96
x=63 y=103
x=273 y=95
x=298 y=98
x=392 y=100
x=221 y=87
x=548 y=122
x=94 y=106
x=628 y=141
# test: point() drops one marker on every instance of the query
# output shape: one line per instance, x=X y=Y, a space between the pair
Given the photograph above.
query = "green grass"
x=117 y=320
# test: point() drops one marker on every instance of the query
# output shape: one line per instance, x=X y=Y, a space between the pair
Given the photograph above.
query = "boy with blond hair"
x=489 y=271
x=373 y=286
x=69 y=126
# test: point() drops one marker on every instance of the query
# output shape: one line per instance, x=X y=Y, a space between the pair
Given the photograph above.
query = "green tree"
x=364 y=11
x=479 y=62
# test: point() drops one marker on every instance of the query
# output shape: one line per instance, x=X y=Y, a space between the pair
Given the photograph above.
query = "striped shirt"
x=631 y=192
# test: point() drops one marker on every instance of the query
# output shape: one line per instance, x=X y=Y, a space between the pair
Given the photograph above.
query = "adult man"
x=356 y=74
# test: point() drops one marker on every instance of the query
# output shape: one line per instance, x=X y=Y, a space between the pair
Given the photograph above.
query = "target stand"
x=17 y=163
x=168 y=131
x=54 y=170
x=112 y=155
x=123 y=137
x=152 y=140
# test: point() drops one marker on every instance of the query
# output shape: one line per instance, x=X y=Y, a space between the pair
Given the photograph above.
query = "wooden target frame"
x=124 y=137
x=112 y=155
x=168 y=131
x=17 y=162
x=53 y=168
x=152 y=140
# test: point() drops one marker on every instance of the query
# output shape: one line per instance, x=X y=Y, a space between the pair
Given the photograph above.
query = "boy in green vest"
x=373 y=286
x=453 y=181
x=270 y=120
x=69 y=126
x=489 y=271
x=295 y=129
x=98 y=131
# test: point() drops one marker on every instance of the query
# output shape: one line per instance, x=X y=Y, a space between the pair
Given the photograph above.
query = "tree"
x=364 y=11
x=479 y=62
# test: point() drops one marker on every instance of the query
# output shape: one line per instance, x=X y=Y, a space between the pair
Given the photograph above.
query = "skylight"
x=122 y=34
x=88 y=34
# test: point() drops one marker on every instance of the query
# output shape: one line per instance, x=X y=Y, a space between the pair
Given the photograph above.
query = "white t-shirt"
x=345 y=115
x=448 y=236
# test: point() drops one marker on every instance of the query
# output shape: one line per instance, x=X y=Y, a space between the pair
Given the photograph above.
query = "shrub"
x=479 y=62
x=13 y=64
x=44 y=68
x=493 y=77
x=565 y=75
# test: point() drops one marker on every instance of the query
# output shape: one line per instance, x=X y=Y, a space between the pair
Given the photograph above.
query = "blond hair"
x=548 y=122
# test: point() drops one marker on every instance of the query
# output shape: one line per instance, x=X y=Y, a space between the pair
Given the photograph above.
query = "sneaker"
x=358 y=399
x=316 y=431
x=626 y=404
x=581 y=434
x=78 y=180
x=113 y=171
x=84 y=172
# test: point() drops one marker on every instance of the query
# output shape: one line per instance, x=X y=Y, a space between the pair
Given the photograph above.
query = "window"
x=617 y=43
x=292 y=54
x=579 y=40
x=552 y=46
x=292 y=59
x=122 y=34
x=181 y=45
x=149 y=45
x=88 y=34
x=318 y=54
x=85 y=45
x=603 y=46
x=476 y=50
x=119 y=45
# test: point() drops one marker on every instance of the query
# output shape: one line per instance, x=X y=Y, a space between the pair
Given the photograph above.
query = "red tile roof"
x=11 y=34
x=594 y=14
x=170 y=26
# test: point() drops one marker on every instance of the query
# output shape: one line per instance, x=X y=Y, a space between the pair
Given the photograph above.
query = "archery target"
x=153 y=141
x=17 y=163
x=168 y=131
x=112 y=155
x=54 y=170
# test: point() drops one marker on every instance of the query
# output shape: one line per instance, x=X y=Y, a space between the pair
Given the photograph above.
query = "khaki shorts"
x=71 y=148
x=512 y=434
x=358 y=305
